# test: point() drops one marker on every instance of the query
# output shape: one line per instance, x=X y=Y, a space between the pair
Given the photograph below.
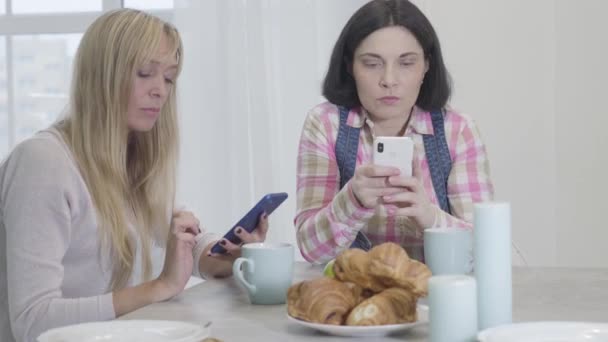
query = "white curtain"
x=252 y=70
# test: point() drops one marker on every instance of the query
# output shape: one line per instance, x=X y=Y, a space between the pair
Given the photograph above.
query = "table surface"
x=539 y=294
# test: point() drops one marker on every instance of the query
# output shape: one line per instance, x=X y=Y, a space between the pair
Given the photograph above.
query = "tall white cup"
x=492 y=250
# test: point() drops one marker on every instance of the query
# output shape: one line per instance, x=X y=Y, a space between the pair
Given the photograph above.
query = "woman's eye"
x=169 y=80
x=143 y=74
x=371 y=64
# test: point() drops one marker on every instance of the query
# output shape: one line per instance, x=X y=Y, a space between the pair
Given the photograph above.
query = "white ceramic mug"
x=448 y=250
x=266 y=272
x=452 y=308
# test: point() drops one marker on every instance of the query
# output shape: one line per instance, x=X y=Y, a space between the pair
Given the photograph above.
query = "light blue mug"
x=452 y=308
x=448 y=250
x=266 y=272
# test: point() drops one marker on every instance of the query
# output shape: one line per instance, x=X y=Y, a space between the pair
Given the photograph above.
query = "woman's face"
x=388 y=68
x=150 y=89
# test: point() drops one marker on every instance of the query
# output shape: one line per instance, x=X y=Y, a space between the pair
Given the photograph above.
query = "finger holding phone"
x=369 y=184
x=258 y=235
x=252 y=227
x=411 y=199
x=414 y=202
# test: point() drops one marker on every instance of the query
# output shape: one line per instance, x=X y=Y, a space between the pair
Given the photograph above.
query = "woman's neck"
x=392 y=127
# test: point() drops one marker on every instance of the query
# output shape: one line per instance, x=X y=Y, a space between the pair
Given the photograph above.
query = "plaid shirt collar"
x=419 y=124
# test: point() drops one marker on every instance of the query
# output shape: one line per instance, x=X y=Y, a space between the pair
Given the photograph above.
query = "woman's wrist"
x=160 y=290
x=132 y=298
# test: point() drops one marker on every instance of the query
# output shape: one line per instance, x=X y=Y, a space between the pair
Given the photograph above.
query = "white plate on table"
x=366 y=331
x=546 y=332
x=127 y=331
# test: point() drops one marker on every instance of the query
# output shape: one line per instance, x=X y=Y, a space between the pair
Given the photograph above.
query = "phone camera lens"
x=380 y=147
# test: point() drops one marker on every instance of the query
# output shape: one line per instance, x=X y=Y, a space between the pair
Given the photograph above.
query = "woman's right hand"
x=178 y=258
x=370 y=183
x=176 y=270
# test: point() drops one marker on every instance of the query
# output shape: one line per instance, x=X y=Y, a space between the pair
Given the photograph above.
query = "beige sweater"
x=51 y=270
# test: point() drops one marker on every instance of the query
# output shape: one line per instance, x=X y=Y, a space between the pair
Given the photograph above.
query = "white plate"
x=366 y=331
x=127 y=331
x=546 y=332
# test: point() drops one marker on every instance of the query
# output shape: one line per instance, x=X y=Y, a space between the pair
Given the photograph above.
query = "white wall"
x=531 y=73
x=502 y=59
x=582 y=161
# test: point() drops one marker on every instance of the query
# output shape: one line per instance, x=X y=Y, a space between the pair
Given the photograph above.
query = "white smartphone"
x=396 y=152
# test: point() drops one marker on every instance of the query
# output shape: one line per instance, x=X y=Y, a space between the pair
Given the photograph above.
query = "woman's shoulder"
x=327 y=115
x=455 y=119
x=43 y=153
x=324 y=111
x=46 y=144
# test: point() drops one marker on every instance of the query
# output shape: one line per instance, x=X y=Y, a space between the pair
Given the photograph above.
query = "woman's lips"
x=389 y=100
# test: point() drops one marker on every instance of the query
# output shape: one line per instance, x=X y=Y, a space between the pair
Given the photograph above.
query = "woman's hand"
x=370 y=184
x=178 y=259
x=412 y=201
x=258 y=235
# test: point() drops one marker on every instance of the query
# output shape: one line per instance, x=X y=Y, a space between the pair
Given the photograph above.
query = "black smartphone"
x=250 y=221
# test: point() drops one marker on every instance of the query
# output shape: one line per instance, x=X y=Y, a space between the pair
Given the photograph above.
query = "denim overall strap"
x=347 y=145
x=438 y=157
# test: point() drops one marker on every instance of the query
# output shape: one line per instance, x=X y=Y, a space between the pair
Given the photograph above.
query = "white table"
x=538 y=294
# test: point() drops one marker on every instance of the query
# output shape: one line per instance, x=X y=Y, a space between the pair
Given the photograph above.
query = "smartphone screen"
x=250 y=221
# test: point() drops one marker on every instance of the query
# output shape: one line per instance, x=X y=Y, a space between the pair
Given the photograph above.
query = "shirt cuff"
x=106 y=307
x=203 y=239
x=353 y=216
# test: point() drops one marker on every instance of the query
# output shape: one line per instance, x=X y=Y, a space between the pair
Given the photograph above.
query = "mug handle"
x=238 y=273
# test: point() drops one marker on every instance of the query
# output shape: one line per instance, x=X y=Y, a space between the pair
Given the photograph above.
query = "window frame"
x=40 y=24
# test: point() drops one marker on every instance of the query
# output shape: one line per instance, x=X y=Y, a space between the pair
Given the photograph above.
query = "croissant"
x=359 y=293
x=391 y=266
x=321 y=300
x=391 y=306
x=418 y=274
x=352 y=265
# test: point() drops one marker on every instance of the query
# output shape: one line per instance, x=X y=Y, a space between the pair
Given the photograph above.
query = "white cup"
x=266 y=272
x=448 y=250
x=452 y=308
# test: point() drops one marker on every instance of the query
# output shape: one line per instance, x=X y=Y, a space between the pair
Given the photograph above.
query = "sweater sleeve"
x=36 y=211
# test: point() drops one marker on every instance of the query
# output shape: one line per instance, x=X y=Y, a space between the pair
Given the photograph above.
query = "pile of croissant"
x=377 y=287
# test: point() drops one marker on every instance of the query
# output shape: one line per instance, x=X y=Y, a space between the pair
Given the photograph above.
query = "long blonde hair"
x=130 y=176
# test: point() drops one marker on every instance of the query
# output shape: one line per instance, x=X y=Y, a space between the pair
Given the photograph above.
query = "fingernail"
x=223 y=243
x=239 y=230
x=265 y=216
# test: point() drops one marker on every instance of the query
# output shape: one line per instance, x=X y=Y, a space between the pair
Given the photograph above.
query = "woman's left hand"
x=258 y=235
x=413 y=202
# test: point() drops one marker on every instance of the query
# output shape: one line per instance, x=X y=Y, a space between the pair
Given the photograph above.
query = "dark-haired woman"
x=386 y=77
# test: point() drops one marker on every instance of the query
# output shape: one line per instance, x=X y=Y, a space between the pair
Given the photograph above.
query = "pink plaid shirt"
x=328 y=219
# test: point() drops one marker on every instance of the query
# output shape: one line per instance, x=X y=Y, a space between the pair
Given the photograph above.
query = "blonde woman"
x=85 y=203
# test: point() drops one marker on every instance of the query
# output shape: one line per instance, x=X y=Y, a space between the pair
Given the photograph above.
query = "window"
x=42 y=82
x=56 y=6
x=149 y=4
x=38 y=41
